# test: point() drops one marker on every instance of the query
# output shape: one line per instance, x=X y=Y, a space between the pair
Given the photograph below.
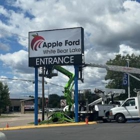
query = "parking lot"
x=17 y=119
x=101 y=131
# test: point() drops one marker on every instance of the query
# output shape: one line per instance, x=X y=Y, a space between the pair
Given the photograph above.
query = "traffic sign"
x=63 y=102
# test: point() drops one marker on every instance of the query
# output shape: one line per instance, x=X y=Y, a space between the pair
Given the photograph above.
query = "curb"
x=46 y=126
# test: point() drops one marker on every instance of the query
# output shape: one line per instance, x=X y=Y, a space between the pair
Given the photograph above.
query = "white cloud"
x=17 y=61
x=111 y=27
x=3 y=11
x=109 y=22
x=124 y=49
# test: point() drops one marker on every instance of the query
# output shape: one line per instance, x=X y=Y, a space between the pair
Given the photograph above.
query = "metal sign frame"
x=56 y=47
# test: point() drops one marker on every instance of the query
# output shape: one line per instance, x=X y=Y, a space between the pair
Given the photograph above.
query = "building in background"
x=22 y=104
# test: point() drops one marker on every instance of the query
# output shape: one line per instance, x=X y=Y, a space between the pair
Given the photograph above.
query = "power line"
x=31 y=81
x=18 y=79
x=55 y=84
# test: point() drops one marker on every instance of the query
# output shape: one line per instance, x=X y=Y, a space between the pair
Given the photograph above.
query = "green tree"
x=31 y=96
x=54 y=100
x=87 y=95
x=4 y=97
x=116 y=78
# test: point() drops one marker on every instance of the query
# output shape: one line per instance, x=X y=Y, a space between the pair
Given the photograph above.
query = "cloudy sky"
x=110 y=27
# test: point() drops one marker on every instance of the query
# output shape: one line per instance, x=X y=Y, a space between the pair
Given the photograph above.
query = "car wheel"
x=120 y=118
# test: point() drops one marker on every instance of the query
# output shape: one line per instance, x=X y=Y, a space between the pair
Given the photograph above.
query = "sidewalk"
x=18 y=120
x=46 y=126
x=21 y=121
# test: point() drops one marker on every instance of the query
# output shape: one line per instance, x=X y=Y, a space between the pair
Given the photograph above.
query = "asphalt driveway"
x=17 y=119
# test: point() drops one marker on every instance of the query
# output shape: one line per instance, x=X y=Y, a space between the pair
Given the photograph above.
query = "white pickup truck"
x=129 y=110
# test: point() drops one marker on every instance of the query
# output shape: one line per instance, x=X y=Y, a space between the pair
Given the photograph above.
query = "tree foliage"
x=116 y=78
x=4 y=97
x=54 y=100
x=87 y=95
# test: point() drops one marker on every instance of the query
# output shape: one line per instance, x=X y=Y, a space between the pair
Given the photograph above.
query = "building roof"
x=21 y=98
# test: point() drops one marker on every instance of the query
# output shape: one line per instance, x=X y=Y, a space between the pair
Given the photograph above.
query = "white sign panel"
x=63 y=102
x=55 y=47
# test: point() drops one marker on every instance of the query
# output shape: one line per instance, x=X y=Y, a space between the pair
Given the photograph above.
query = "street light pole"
x=128 y=79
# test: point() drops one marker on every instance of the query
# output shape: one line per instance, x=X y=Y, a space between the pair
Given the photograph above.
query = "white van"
x=129 y=110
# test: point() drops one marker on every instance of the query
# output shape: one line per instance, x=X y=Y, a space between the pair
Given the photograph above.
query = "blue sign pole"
x=76 y=93
x=36 y=96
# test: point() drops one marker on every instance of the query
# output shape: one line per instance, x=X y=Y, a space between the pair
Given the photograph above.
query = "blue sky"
x=111 y=27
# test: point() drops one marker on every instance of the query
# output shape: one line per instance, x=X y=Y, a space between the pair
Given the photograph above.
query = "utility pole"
x=128 y=78
x=47 y=105
x=42 y=93
x=48 y=97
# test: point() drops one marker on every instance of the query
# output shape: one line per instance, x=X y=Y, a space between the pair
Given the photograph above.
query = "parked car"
x=51 y=110
x=45 y=110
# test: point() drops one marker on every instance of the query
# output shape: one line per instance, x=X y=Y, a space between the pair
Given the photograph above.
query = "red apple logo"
x=36 y=41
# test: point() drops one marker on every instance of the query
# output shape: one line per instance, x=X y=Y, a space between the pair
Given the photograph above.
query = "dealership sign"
x=56 y=47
